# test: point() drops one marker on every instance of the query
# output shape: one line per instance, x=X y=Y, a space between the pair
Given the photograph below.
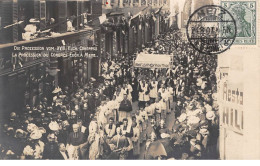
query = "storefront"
x=238 y=98
x=22 y=85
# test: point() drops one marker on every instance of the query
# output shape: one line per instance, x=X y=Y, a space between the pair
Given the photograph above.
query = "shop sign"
x=231 y=106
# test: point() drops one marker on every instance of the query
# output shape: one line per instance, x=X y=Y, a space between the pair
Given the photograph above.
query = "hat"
x=73 y=113
x=12 y=115
x=9 y=152
x=19 y=133
x=36 y=134
x=210 y=115
x=182 y=117
x=42 y=130
x=54 y=126
x=92 y=79
x=34 y=20
x=28 y=151
x=56 y=90
x=31 y=127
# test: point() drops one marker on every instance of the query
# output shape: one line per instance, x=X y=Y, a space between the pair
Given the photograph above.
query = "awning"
x=153 y=61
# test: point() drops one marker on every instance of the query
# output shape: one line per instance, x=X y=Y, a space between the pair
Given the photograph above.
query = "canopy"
x=153 y=61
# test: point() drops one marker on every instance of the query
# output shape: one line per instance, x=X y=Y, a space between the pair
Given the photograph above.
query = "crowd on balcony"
x=98 y=120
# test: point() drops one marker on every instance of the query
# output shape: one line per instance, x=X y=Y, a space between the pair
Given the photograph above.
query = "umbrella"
x=156 y=149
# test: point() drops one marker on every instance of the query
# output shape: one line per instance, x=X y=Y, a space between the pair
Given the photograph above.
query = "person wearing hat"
x=36 y=145
x=14 y=120
x=51 y=148
x=30 y=30
x=70 y=28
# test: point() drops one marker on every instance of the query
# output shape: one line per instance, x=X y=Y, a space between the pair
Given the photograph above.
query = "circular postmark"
x=211 y=29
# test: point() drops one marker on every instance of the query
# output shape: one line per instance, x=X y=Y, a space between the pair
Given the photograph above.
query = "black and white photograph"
x=129 y=80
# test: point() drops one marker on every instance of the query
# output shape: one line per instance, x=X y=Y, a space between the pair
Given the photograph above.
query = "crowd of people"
x=124 y=113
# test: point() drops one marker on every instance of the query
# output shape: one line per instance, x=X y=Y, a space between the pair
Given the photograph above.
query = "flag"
x=158 y=11
x=8 y=26
x=102 y=18
x=136 y=16
x=133 y=18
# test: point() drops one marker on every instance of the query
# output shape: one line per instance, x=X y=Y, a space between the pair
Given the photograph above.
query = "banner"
x=153 y=61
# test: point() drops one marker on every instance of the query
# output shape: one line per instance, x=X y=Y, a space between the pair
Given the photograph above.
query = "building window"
x=51 y=12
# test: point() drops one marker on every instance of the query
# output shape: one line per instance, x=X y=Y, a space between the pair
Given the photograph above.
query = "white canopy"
x=153 y=61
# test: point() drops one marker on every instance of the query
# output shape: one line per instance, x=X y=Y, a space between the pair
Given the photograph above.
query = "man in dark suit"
x=134 y=84
x=62 y=154
x=125 y=109
x=51 y=149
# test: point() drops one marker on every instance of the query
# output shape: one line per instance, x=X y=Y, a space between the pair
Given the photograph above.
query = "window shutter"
x=15 y=19
x=42 y=14
x=80 y=11
x=96 y=8
x=6 y=13
x=36 y=9
x=62 y=10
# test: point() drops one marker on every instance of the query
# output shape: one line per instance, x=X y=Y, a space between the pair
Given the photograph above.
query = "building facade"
x=135 y=23
x=25 y=80
x=129 y=27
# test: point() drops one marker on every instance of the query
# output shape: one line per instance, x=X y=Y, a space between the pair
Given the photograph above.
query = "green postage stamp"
x=244 y=13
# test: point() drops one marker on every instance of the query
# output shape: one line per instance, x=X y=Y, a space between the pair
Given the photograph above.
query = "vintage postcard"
x=129 y=80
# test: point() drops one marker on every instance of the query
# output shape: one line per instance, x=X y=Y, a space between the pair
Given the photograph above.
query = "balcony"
x=42 y=39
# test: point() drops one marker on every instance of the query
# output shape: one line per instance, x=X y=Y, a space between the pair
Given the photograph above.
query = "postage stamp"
x=244 y=12
x=211 y=29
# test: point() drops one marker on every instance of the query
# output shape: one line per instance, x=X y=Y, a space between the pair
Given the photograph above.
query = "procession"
x=123 y=114
x=129 y=80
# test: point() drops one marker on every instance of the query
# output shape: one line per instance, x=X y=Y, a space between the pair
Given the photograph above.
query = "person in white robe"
x=153 y=90
x=143 y=93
